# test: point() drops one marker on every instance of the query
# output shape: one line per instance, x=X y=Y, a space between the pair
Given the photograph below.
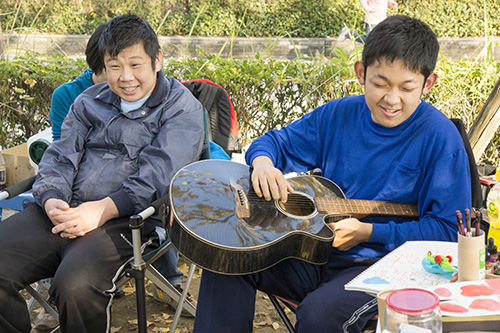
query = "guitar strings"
x=299 y=201
x=326 y=200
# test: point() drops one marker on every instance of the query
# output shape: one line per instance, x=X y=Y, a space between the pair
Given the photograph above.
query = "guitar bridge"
x=240 y=200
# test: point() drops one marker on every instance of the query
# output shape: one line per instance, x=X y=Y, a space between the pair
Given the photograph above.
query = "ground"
x=160 y=316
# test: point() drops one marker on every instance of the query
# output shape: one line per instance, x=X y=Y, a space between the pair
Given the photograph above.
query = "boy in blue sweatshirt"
x=388 y=145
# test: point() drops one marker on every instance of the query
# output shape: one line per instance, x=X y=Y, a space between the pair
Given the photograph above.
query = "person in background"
x=387 y=145
x=375 y=12
x=121 y=143
x=64 y=95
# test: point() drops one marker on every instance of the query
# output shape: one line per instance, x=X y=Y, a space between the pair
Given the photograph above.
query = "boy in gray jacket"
x=121 y=143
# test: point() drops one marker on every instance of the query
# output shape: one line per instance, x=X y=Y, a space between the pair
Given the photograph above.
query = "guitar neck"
x=365 y=207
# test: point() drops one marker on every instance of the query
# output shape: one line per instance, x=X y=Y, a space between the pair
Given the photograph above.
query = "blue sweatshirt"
x=422 y=161
x=62 y=98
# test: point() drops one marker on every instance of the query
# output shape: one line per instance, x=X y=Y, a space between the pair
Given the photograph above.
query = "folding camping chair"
x=137 y=267
x=477 y=203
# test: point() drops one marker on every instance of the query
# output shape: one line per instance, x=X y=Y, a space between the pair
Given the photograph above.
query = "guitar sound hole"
x=298 y=205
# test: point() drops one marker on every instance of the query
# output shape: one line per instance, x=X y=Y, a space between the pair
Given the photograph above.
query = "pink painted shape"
x=452 y=307
x=494 y=285
x=473 y=290
x=485 y=304
x=443 y=292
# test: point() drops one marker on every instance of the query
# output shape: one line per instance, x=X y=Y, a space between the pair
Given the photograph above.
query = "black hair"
x=127 y=30
x=95 y=59
x=405 y=38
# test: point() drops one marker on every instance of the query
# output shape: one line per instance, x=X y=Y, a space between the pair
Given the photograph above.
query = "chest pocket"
x=402 y=185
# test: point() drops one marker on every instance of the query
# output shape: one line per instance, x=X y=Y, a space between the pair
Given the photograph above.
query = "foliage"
x=461 y=91
x=461 y=18
x=266 y=93
x=26 y=86
x=257 y=18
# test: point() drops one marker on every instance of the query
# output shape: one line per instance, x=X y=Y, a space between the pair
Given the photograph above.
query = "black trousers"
x=84 y=269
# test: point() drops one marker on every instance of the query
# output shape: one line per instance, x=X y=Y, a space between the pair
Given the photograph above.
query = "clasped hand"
x=72 y=222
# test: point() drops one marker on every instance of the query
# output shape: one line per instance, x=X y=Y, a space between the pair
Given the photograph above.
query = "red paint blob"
x=452 y=307
x=443 y=292
x=473 y=290
x=485 y=304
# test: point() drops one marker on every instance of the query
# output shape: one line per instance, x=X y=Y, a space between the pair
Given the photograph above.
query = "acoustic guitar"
x=217 y=221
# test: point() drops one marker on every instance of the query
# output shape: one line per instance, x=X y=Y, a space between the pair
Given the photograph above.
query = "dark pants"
x=226 y=303
x=84 y=269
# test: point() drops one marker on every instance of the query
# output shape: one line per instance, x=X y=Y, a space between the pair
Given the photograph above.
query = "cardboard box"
x=17 y=164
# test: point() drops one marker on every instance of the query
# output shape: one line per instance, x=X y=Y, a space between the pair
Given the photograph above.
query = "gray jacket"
x=130 y=157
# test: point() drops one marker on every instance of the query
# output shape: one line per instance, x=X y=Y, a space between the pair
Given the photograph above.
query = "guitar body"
x=218 y=222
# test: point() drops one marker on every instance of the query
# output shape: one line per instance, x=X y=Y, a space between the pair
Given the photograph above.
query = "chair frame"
x=140 y=267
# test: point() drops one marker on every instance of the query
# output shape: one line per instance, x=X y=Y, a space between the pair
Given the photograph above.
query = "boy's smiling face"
x=392 y=91
x=130 y=74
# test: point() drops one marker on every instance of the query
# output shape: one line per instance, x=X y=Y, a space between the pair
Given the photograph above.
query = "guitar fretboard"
x=365 y=207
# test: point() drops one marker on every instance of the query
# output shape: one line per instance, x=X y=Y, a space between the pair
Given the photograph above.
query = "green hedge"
x=26 y=86
x=266 y=93
x=258 y=18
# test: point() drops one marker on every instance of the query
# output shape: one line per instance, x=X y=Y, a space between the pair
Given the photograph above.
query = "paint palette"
x=472 y=298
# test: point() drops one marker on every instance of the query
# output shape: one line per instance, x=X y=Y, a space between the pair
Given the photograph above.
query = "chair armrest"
x=152 y=208
x=136 y=224
x=16 y=189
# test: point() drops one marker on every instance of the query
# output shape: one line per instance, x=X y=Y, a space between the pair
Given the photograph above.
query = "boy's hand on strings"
x=268 y=181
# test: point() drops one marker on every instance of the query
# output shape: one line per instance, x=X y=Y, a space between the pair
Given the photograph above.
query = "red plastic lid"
x=412 y=301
